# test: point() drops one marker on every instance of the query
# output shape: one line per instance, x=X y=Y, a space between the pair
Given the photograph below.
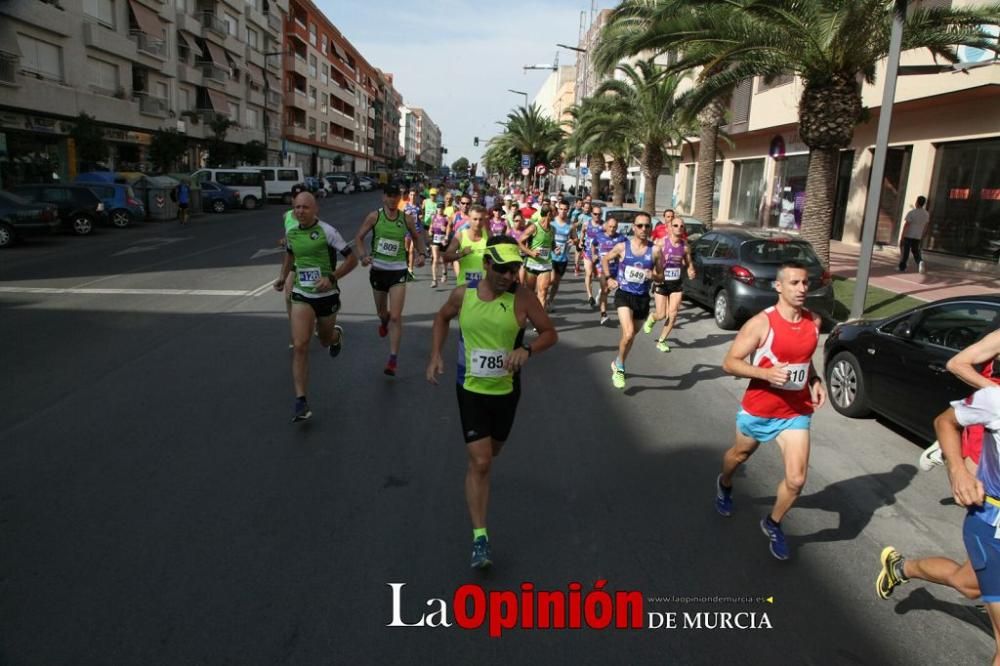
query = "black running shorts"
x=487 y=415
x=382 y=280
x=639 y=305
x=324 y=306
x=559 y=267
x=667 y=288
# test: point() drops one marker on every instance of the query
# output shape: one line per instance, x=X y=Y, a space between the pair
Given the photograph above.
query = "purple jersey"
x=673 y=260
x=603 y=244
x=498 y=227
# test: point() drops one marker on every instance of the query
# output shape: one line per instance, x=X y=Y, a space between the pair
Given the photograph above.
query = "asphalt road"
x=157 y=507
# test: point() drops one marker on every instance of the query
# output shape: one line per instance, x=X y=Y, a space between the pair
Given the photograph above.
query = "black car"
x=79 y=207
x=896 y=366
x=19 y=218
x=736 y=269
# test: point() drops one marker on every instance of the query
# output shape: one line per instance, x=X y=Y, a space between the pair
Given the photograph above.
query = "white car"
x=340 y=183
x=366 y=184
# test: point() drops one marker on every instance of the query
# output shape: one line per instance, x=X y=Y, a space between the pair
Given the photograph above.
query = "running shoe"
x=604 y=318
x=302 y=411
x=336 y=346
x=921 y=268
x=662 y=346
x=617 y=376
x=777 y=544
x=723 y=498
x=889 y=577
x=410 y=277
x=591 y=302
x=482 y=558
x=383 y=328
x=390 y=367
x=434 y=283
x=647 y=328
x=931 y=457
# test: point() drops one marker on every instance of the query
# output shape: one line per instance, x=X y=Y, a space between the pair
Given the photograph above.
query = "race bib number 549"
x=488 y=363
x=635 y=274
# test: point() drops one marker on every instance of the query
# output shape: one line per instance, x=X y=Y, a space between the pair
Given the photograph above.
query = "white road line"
x=262 y=289
x=139 y=292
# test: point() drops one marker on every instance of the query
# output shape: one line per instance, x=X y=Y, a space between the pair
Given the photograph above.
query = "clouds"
x=457 y=58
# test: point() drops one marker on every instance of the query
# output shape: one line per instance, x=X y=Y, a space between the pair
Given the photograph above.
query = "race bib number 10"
x=438 y=238
x=387 y=247
x=488 y=363
x=798 y=373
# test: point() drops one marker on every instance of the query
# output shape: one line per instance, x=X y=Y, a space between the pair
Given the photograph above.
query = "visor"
x=504 y=253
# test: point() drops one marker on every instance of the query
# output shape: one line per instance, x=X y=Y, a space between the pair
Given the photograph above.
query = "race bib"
x=488 y=363
x=558 y=252
x=672 y=273
x=543 y=253
x=473 y=277
x=438 y=238
x=798 y=373
x=387 y=247
x=308 y=277
x=635 y=274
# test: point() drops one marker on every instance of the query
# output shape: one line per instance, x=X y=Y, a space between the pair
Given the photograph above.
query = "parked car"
x=20 y=218
x=870 y=365
x=316 y=185
x=340 y=183
x=218 y=198
x=249 y=183
x=625 y=217
x=366 y=184
x=736 y=269
x=78 y=207
x=118 y=196
x=278 y=181
x=693 y=227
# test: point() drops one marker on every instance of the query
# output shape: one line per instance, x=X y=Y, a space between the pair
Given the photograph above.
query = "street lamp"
x=572 y=48
x=520 y=92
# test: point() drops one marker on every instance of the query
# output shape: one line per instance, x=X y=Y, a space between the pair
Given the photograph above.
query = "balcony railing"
x=154 y=105
x=274 y=22
x=150 y=45
x=212 y=71
x=8 y=69
x=214 y=23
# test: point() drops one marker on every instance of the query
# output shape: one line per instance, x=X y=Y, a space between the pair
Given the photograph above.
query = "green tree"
x=166 y=149
x=253 y=152
x=461 y=165
x=338 y=161
x=499 y=159
x=91 y=146
x=529 y=132
x=831 y=45
x=598 y=128
x=221 y=153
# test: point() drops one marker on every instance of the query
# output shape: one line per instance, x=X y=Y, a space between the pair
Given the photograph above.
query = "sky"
x=457 y=58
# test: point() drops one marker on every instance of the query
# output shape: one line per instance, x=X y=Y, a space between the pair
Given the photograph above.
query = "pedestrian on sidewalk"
x=912 y=234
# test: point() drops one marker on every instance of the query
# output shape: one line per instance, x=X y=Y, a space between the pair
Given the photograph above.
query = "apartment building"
x=944 y=144
x=387 y=122
x=330 y=93
x=428 y=148
x=557 y=94
x=137 y=66
x=408 y=137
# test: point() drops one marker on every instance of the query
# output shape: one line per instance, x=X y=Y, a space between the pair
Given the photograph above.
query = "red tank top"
x=791 y=343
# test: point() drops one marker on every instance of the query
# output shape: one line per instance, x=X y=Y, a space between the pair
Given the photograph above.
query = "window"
x=703 y=245
x=312 y=128
x=748 y=190
x=323 y=130
x=723 y=249
x=965 y=200
x=253 y=39
x=312 y=97
x=324 y=75
x=102 y=10
x=232 y=24
x=181 y=6
x=777 y=252
x=184 y=99
x=160 y=90
x=312 y=34
x=323 y=44
x=251 y=118
x=955 y=325
x=779 y=80
x=234 y=112
x=103 y=75
x=688 y=204
x=40 y=57
x=312 y=66
x=324 y=102
x=288 y=175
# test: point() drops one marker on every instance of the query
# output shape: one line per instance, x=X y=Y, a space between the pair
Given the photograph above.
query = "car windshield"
x=778 y=251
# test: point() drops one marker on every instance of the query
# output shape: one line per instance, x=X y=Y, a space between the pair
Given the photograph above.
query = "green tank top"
x=542 y=241
x=388 y=248
x=470 y=268
x=290 y=221
x=488 y=334
x=314 y=251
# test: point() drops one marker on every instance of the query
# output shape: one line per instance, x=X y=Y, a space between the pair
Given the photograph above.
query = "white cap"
x=553 y=198
x=508 y=197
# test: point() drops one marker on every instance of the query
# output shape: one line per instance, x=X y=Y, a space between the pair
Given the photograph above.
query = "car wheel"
x=250 y=202
x=82 y=225
x=6 y=235
x=723 y=311
x=121 y=218
x=218 y=206
x=846 y=386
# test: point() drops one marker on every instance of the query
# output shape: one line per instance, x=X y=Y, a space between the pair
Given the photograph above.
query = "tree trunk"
x=704 y=189
x=619 y=180
x=596 y=163
x=651 y=164
x=817 y=215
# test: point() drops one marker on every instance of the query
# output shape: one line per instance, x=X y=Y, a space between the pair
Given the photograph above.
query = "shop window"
x=40 y=58
x=965 y=200
x=747 y=191
x=789 y=194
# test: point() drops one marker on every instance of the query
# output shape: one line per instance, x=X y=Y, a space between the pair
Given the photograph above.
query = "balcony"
x=273 y=98
x=213 y=72
x=255 y=97
x=297 y=131
x=188 y=23
x=149 y=45
x=214 y=24
x=274 y=22
x=188 y=74
x=299 y=66
x=8 y=69
x=152 y=106
x=298 y=100
x=98 y=37
x=254 y=56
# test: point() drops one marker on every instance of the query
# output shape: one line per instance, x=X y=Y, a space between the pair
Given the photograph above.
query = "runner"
x=638 y=264
x=440 y=230
x=536 y=244
x=606 y=241
x=492 y=316
x=311 y=249
x=784 y=391
x=591 y=227
x=387 y=258
x=412 y=209
x=676 y=254
x=497 y=225
x=466 y=248
x=565 y=234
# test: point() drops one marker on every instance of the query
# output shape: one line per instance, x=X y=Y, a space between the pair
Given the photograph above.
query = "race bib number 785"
x=488 y=363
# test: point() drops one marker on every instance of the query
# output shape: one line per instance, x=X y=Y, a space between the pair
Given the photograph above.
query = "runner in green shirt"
x=537 y=244
x=312 y=248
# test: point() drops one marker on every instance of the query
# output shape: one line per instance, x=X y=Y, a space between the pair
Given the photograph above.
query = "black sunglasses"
x=641 y=226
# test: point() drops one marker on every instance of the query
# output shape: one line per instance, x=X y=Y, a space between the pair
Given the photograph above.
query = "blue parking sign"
x=584 y=171
x=525 y=161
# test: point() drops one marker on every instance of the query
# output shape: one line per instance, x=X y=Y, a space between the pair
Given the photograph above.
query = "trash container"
x=155 y=193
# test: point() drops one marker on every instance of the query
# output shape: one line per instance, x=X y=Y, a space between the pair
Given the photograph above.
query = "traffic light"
x=475 y=141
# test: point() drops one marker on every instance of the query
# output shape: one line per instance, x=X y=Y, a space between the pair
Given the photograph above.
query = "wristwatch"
x=526 y=347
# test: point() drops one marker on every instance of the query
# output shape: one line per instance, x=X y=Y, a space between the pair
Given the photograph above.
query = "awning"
x=191 y=43
x=8 y=40
x=218 y=55
x=148 y=20
x=339 y=51
x=255 y=74
x=220 y=103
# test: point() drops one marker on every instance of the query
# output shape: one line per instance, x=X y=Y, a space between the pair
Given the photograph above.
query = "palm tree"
x=646 y=103
x=597 y=128
x=528 y=132
x=831 y=45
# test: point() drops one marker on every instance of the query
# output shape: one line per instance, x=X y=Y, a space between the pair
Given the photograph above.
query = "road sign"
x=525 y=171
x=525 y=161
x=584 y=171
x=540 y=169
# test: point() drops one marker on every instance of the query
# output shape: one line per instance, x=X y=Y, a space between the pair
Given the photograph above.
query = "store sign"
x=33 y=123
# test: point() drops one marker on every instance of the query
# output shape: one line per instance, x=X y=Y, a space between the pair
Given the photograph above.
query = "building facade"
x=136 y=66
x=557 y=94
x=428 y=148
x=408 y=136
x=387 y=103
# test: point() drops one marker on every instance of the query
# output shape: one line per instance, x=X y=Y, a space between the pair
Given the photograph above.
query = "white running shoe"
x=922 y=268
x=931 y=457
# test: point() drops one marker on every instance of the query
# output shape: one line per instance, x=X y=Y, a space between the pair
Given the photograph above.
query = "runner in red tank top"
x=778 y=405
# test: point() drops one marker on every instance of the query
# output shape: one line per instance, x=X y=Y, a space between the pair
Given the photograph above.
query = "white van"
x=249 y=184
x=278 y=180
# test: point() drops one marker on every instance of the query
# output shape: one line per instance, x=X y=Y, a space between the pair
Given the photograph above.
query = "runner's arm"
x=359 y=238
x=616 y=252
x=965 y=487
x=527 y=303
x=962 y=364
x=657 y=263
x=439 y=333
x=286 y=267
x=418 y=238
x=529 y=231
x=749 y=338
x=452 y=253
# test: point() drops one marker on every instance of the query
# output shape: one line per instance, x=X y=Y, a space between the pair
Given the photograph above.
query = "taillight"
x=47 y=215
x=132 y=202
x=741 y=274
x=826 y=278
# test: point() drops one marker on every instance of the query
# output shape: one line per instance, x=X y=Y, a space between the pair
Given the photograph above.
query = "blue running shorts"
x=765 y=429
x=984 y=554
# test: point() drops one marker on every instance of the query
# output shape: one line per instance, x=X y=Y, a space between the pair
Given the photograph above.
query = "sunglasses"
x=507 y=269
x=677 y=226
x=465 y=203
x=641 y=226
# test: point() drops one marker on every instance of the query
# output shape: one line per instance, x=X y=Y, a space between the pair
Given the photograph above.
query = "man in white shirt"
x=914 y=229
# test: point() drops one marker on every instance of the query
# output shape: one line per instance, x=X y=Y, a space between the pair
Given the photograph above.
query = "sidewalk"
x=938 y=282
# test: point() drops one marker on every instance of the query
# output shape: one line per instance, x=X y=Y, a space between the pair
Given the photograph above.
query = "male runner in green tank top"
x=387 y=257
x=491 y=352
x=467 y=246
x=312 y=248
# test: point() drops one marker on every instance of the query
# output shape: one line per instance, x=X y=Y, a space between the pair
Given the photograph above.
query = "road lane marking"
x=138 y=292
